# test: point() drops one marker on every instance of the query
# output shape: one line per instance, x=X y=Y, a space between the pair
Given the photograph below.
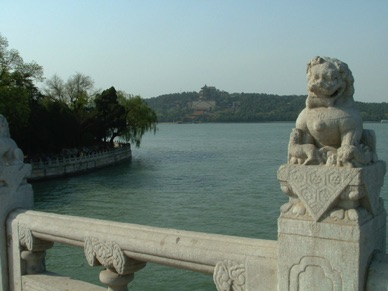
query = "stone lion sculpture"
x=330 y=121
x=9 y=151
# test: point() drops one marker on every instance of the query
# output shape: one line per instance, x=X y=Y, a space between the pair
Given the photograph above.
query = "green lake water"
x=215 y=178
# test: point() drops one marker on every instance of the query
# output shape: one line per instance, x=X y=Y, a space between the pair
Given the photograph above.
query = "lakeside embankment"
x=74 y=165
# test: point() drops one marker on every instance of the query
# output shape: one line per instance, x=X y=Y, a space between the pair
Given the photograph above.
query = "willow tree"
x=140 y=118
x=123 y=115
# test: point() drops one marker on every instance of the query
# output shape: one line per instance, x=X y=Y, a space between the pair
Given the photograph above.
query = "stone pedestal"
x=327 y=255
x=332 y=226
x=14 y=193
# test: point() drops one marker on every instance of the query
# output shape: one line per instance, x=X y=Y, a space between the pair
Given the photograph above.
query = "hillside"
x=213 y=105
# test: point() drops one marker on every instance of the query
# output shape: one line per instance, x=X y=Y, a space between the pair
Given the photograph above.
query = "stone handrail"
x=130 y=246
x=74 y=158
x=70 y=165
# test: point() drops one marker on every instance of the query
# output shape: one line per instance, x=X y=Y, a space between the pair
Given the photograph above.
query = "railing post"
x=335 y=222
x=14 y=193
x=330 y=233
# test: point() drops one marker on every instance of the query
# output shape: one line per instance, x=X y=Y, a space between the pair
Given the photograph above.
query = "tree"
x=13 y=70
x=123 y=115
x=17 y=87
x=110 y=115
x=56 y=89
x=78 y=89
x=65 y=116
x=76 y=92
x=140 y=118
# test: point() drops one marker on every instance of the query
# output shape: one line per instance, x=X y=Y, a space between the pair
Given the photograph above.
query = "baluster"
x=34 y=254
x=115 y=281
x=34 y=262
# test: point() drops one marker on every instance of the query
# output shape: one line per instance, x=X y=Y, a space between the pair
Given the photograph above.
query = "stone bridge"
x=331 y=232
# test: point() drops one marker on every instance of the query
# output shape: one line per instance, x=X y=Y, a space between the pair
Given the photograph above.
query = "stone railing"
x=125 y=248
x=72 y=165
x=345 y=253
x=315 y=251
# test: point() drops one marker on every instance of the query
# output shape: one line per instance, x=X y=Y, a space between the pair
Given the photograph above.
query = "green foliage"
x=245 y=107
x=70 y=113
x=110 y=115
x=236 y=107
x=140 y=118
x=77 y=92
x=121 y=115
x=17 y=87
x=14 y=106
x=373 y=111
x=172 y=107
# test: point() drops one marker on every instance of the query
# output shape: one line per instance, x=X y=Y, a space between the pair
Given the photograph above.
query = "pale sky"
x=155 y=47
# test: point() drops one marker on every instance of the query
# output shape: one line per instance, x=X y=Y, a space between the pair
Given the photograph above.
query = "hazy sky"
x=150 y=47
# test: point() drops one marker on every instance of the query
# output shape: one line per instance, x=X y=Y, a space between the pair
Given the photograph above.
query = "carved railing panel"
x=229 y=275
x=119 y=268
x=124 y=248
x=34 y=251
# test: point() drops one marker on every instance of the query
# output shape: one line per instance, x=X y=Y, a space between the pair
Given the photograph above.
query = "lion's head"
x=330 y=83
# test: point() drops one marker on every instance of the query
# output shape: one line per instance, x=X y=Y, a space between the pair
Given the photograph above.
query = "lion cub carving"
x=300 y=153
x=330 y=120
x=9 y=152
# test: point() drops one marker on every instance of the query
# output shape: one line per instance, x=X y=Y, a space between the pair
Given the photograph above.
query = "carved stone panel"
x=25 y=237
x=27 y=240
x=322 y=188
x=106 y=253
x=229 y=275
x=314 y=273
x=110 y=255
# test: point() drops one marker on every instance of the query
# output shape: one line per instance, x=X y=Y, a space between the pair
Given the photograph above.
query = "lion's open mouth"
x=335 y=93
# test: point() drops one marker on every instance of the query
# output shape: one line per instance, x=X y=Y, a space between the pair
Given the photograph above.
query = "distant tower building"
x=207 y=92
x=206 y=100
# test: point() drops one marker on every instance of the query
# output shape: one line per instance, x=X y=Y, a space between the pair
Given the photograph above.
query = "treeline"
x=65 y=114
x=373 y=111
x=244 y=107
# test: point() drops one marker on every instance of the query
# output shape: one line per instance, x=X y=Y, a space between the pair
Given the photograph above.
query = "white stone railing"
x=125 y=248
x=70 y=165
x=236 y=263
x=337 y=253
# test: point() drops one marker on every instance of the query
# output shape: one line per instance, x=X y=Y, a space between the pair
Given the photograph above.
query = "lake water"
x=216 y=178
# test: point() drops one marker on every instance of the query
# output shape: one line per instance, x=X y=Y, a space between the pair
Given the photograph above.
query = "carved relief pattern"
x=315 y=227
x=318 y=187
x=316 y=262
x=229 y=275
x=25 y=237
x=106 y=253
x=341 y=192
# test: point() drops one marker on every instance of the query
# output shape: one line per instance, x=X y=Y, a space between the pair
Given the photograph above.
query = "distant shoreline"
x=60 y=168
